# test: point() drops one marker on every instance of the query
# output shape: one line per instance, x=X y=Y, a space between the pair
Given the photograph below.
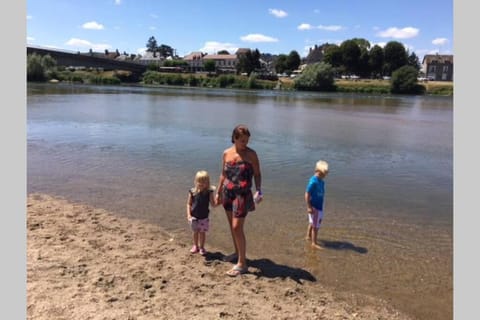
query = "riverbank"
x=87 y=263
x=118 y=77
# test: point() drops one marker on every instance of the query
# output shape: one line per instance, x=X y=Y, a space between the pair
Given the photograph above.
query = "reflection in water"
x=387 y=230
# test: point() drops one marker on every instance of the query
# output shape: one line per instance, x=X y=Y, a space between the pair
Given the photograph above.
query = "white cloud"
x=30 y=39
x=214 y=46
x=278 y=13
x=308 y=26
x=93 y=25
x=79 y=43
x=141 y=51
x=380 y=44
x=29 y=17
x=256 y=37
x=118 y=2
x=440 y=41
x=305 y=26
x=405 y=33
x=330 y=28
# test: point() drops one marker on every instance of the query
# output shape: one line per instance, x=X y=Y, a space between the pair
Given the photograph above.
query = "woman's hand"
x=258 y=196
x=218 y=198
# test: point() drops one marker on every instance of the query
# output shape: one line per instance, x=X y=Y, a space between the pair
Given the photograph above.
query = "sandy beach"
x=87 y=263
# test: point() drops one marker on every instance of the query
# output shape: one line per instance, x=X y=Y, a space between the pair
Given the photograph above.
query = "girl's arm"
x=189 y=206
x=213 y=203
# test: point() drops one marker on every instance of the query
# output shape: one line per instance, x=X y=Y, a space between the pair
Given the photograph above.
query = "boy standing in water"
x=314 y=196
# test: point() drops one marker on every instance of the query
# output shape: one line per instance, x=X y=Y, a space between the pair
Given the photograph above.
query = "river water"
x=387 y=229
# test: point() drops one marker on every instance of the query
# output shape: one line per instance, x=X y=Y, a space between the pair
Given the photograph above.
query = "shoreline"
x=88 y=263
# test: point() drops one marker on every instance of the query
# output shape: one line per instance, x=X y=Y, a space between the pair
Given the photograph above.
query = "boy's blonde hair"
x=322 y=167
x=202 y=176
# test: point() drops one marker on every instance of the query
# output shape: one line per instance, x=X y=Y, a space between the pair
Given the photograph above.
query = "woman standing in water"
x=239 y=165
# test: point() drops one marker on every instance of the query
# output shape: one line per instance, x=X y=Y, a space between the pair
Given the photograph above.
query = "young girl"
x=314 y=198
x=200 y=197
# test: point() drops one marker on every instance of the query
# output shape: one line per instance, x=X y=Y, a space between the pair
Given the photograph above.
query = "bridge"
x=67 y=59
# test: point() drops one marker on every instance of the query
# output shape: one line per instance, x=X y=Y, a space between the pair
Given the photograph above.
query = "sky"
x=276 y=27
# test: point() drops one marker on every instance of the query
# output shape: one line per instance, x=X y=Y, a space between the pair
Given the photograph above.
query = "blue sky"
x=276 y=27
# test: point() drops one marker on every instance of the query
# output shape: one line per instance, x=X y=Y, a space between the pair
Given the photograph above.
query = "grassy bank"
x=240 y=82
x=374 y=86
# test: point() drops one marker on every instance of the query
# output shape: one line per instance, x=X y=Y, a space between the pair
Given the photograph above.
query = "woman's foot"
x=194 y=249
x=236 y=271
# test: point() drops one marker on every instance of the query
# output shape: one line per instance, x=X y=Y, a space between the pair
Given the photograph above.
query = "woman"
x=239 y=165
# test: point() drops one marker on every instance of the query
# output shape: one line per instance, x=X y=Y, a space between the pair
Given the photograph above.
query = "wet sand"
x=88 y=263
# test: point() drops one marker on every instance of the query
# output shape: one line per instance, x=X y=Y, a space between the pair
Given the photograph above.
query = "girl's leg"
x=201 y=239
x=195 y=242
x=195 y=238
x=240 y=241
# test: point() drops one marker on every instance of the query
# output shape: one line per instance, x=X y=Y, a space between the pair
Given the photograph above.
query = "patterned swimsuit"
x=237 y=193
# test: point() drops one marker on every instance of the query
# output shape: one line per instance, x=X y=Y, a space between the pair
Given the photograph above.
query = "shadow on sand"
x=268 y=268
x=342 y=245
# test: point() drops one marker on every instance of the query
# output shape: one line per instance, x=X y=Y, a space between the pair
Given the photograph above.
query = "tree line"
x=352 y=57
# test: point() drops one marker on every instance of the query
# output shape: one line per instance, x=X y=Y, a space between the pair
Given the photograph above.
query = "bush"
x=35 y=68
x=404 y=80
x=225 y=81
x=316 y=77
x=193 y=81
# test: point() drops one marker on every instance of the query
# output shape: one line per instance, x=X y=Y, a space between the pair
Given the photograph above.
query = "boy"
x=314 y=195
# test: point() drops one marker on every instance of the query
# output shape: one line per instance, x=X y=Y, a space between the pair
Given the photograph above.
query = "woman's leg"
x=229 y=217
x=241 y=242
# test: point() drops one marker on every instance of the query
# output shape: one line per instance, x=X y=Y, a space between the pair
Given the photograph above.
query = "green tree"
x=165 y=51
x=293 y=61
x=395 y=56
x=40 y=68
x=152 y=45
x=48 y=62
x=223 y=52
x=350 y=56
x=333 y=56
x=364 y=69
x=281 y=63
x=362 y=43
x=248 y=62
x=413 y=61
x=376 y=60
x=35 y=69
x=404 y=80
x=316 y=77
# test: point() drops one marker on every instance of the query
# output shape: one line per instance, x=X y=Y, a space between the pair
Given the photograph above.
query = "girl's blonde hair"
x=322 y=167
x=202 y=176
